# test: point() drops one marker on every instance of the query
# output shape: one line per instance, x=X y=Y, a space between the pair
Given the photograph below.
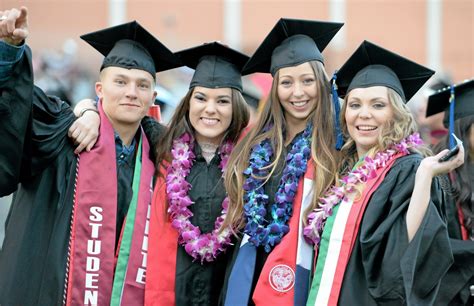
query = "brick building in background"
x=438 y=33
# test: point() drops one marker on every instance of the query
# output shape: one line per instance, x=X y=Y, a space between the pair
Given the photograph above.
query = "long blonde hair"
x=399 y=127
x=323 y=153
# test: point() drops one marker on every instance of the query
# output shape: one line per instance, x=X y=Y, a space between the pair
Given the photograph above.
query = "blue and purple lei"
x=270 y=232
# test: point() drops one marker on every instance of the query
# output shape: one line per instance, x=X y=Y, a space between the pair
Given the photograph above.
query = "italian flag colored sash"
x=338 y=239
x=161 y=273
x=94 y=275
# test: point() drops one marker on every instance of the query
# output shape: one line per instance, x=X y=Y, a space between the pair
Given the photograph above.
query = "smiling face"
x=210 y=113
x=297 y=92
x=368 y=110
x=126 y=95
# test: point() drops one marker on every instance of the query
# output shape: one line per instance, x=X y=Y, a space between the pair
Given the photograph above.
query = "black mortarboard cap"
x=130 y=46
x=292 y=42
x=458 y=102
x=216 y=65
x=464 y=97
x=371 y=65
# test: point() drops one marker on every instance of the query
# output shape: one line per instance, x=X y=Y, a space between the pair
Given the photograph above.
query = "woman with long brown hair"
x=270 y=175
x=188 y=255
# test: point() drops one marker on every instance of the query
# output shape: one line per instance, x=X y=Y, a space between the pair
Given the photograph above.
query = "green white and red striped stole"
x=338 y=239
x=94 y=275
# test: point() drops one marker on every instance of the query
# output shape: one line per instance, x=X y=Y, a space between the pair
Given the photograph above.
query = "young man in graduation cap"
x=457 y=103
x=77 y=230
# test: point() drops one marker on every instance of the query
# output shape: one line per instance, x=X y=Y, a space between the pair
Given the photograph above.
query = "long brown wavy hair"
x=323 y=153
x=180 y=123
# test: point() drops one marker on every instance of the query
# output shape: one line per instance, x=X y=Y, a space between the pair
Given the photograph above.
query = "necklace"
x=270 y=232
x=200 y=246
x=208 y=150
x=359 y=175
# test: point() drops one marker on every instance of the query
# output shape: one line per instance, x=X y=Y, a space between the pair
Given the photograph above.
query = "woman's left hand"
x=434 y=167
x=85 y=131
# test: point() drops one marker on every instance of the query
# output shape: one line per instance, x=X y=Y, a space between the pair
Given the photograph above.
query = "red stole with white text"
x=91 y=272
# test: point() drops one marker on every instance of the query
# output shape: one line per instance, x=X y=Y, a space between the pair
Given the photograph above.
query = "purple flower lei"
x=367 y=170
x=270 y=232
x=203 y=246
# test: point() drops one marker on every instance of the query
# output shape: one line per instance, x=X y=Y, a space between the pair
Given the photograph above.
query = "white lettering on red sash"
x=91 y=297
x=141 y=272
x=91 y=294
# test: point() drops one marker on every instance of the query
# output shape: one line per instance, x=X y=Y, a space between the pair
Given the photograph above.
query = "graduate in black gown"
x=380 y=233
x=270 y=183
x=457 y=101
x=191 y=161
x=41 y=263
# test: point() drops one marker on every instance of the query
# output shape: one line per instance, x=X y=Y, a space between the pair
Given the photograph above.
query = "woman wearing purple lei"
x=187 y=253
x=380 y=234
x=269 y=180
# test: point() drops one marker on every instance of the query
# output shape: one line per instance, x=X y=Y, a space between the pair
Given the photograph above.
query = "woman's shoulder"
x=404 y=168
x=409 y=160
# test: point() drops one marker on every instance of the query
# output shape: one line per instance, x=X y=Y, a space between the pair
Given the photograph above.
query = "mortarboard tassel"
x=337 y=110
x=452 y=100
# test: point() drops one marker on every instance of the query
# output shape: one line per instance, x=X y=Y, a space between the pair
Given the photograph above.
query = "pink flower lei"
x=367 y=170
x=203 y=246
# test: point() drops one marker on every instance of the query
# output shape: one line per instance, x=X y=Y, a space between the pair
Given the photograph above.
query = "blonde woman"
x=380 y=234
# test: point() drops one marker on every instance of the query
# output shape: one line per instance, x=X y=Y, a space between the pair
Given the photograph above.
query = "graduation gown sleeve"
x=384 y=268
x=39 y=156
x=33 y=127
x=15 y=116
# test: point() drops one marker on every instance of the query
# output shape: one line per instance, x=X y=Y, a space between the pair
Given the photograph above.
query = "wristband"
x=88 y=109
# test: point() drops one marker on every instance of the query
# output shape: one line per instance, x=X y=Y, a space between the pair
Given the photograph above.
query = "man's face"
x=126 y=94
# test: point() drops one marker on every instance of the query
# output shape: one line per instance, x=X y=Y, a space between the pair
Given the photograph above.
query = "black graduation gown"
x=207 y=193
x=15 y=120
x=34 y=254
x=454 y=289
x=270 y=188
x=33 y=257
x=384 y=269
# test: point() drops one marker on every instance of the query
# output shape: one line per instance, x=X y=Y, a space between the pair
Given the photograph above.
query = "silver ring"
x=3 y=18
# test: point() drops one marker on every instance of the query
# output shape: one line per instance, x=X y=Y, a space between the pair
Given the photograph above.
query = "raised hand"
x=14 y=25
x=434 y=167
